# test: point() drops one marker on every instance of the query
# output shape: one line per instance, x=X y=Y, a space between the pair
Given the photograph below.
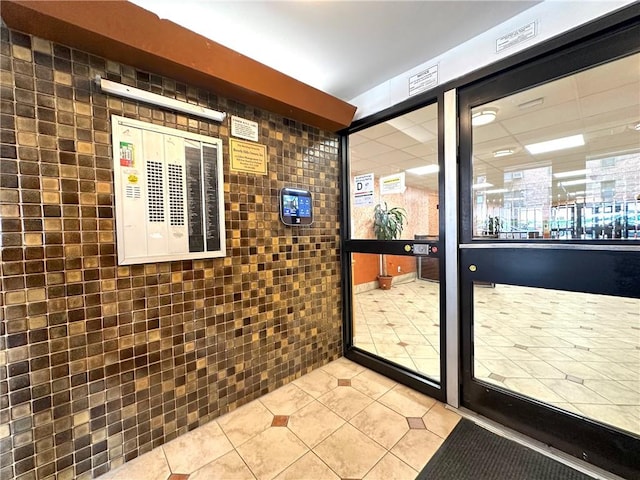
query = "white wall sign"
x=243 y=128
x=423 y=80
x=363 y=190
x=169 y=193
x=516 y=36
x=392 y=184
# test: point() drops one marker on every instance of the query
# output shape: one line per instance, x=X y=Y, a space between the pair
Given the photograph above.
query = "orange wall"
x=366 y=266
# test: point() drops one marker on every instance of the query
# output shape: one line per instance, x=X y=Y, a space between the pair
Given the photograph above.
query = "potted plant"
x=387 y=225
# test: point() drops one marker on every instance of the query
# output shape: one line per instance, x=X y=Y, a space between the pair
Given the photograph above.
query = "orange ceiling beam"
x=121 y=31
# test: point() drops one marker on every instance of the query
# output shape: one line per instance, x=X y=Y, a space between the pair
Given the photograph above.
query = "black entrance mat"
x=473 y=453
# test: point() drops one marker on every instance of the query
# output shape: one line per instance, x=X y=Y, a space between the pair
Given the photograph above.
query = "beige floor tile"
x=417 y=447
x=405 y=361
x=626 y=418
x=193 y=450
x=574 y=392
x=271 y=452
x=246 y=422
x=372 y=384
x=615 y=392
x=578 y=369
x=391 y=468
x=150 y=466
x=381 y=424
x=440 y=420
x=309 y=467
x=540 y=369
x=579 y=355
x=286 y=400
x=314 y=422
x=227 y=467
x=428 y=366
x=533 y=388
x=504 y=368
x=547 y=354
x=407 y=402
x=316 y=383
x=343 y=368
x=616 y=371
x=345 y=401
x=631 y=384
x=391 y=350
x=349 y=452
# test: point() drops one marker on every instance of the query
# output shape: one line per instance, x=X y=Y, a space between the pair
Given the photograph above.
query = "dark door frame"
x=402 y=375
x=554 y=264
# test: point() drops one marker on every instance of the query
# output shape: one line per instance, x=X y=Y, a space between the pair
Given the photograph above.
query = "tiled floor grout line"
x=553 y=336
x=373 y=390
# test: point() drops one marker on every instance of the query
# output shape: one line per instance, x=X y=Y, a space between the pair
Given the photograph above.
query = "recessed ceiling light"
x=532 y=103
x=497 y=190
x=572 y=173
x=479 y=186
x=579 y=181
x=636 y=127
x=503 y=153
x=556 y=144
x=424 y=170
x=483 y=117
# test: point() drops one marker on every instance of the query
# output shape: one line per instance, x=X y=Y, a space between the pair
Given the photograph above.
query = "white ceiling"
x=602 y=104
x=343 y=48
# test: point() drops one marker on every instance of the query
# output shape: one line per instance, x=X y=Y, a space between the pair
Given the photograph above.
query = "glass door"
x=393 y=248
x=549 y=257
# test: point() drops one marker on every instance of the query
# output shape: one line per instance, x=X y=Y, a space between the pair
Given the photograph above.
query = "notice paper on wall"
x=392 y=184
x=363 y=190
x=168 y=192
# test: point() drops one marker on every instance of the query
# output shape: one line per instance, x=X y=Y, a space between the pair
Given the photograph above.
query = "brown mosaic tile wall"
x=101 y=363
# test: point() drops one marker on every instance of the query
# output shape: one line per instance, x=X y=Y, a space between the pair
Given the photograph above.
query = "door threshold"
x=551 y=452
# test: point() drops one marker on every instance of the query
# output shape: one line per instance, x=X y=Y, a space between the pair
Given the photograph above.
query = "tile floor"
x=401 y=324
x=341 y=421
x=580 y=352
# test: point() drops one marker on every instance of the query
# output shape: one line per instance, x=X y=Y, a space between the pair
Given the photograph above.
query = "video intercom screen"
x=296 y=206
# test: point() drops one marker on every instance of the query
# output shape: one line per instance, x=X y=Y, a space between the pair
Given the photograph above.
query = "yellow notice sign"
x=248 y=157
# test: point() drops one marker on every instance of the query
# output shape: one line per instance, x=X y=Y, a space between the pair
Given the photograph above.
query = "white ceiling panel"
x=397 y=140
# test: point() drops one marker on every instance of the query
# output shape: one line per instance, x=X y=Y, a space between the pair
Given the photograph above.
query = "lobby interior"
x=235 y=365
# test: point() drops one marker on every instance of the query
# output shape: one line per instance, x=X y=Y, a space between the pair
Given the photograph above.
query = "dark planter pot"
x=385 y=282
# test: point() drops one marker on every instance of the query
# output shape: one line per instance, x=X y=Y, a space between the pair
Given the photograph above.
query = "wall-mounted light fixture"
x=159 y=100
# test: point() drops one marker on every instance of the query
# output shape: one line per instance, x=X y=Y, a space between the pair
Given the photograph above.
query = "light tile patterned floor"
x=340 y=421
x=401 y=324
x=580 y=352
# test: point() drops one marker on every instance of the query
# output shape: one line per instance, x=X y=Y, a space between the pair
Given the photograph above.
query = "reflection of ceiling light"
x=636 y=127
x=497 y=190
x=579 y=181
x=478 y=186
x=573 y=173
x=424 y=170
x=556 y=144
x=573 y=194
x=532 y=103
x=483 y=117
x=503 y=153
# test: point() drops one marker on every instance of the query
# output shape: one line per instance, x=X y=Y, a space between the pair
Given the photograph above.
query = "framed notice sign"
x=169 y=193
x=247 y=157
